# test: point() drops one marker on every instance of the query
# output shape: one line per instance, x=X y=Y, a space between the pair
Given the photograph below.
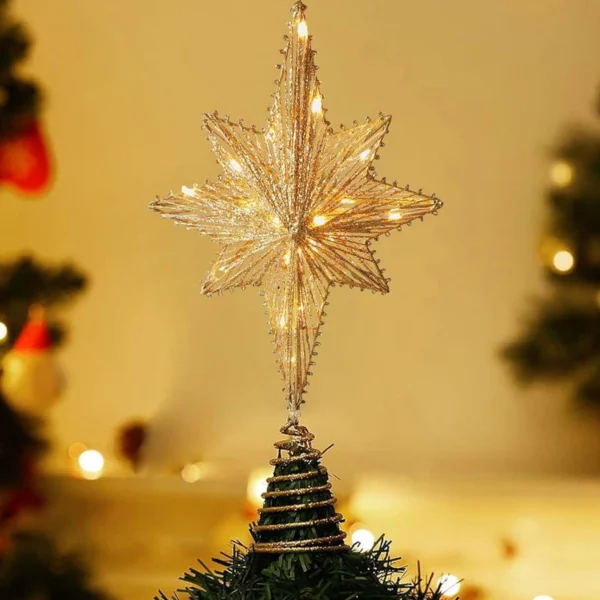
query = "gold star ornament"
x=295 y=209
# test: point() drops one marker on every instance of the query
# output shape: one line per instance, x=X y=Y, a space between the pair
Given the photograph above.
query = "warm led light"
x=543 y=597
x=317 y=104
x=563 y=261
x=319 y=220
x=365 y=155
x=561 y=173
x=3 y=331
x=282 y=321
x=91 y=463
x=293 y=360
x=364 y=538
x=302 y=29
x=276 y=221
x=257 y=486
x=235 y=165
x=187 y=191
x=287 y=257
x=191 y=473
x=395 y=215
x=449 y=585
x=348 y=201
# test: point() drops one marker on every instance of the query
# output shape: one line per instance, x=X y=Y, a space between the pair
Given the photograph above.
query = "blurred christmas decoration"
x=32 y=379
x=24 y=156
x=25 y=160
x=561 y=340
x=26 y=282
x=131 y=438
x=33 y=568
x=296 y=210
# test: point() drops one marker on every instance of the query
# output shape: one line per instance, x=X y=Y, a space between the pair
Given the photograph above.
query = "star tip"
x=298 y=8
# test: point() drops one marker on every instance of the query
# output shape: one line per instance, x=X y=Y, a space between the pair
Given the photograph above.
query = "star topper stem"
x=296 y=209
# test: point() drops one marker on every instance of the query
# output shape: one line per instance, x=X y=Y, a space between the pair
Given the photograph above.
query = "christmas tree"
x=19 y=97
x=296 y=210
x=26 y=282
x=24 y=156
x=562 y=338
x=299 y=549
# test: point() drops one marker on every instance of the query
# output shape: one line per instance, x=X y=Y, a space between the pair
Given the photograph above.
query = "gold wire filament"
x=296 y=448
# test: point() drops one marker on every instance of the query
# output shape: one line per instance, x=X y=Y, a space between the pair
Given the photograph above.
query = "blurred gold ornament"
x=561 y=173
x=296 y=209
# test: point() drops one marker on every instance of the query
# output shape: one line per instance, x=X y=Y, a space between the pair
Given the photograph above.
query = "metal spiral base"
x=298 y=447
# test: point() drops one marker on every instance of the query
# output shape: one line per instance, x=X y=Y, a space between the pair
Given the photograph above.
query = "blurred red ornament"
x=25 y=160
x=509 y=549
x=130 y=442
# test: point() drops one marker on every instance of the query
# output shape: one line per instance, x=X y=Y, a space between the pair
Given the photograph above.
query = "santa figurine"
x=32 y=380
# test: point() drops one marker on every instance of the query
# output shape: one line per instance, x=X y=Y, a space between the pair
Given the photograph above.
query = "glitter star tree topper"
x=295 y=208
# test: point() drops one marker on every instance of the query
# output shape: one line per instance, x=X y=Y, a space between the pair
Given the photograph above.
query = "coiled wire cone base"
x=296 y=449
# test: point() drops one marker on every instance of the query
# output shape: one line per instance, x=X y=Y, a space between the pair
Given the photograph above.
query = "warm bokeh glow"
x=3 y=331
x=364 y=538
x=449 y=585
x=543 y=597
x=563 y=261
x=257 y=486
x=191 y=473
x=319 y=220
x=91 y=464
x=561 y=173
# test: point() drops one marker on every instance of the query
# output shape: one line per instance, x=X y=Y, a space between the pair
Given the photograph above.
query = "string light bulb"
x=561 y=173
x=189 y=192
x=395 y=215
x=317 y=104
x=365 y=155
x=3 y=331
x=91 y=464
x=363 y=538
x=319 y=220
x=563 y=261
x=449 y=585
x=235 y=165
x=302 y=30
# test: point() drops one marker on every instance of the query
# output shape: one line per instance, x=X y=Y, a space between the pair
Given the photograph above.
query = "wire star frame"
x=296 y=209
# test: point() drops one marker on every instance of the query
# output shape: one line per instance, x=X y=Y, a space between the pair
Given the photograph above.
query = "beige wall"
x=409 y=383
